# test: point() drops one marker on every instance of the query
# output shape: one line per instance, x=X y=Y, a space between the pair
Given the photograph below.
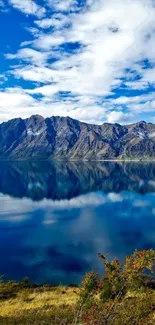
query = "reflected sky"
x=55 y=218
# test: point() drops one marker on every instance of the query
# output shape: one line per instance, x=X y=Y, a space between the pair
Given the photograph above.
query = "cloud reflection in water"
x=52 y=230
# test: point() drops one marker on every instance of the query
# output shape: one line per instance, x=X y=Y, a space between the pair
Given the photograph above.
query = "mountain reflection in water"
x=56 y=217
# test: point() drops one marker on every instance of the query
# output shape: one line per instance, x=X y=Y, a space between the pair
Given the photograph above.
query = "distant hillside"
x=67 y=139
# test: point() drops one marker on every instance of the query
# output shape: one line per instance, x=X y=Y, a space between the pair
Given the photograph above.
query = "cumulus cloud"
x=120 y=117
x=89 y=53
x=23 y=103
x=29 y=55
x=63 y=5
x=57 y=21
x=19 y=101
x=28 y=7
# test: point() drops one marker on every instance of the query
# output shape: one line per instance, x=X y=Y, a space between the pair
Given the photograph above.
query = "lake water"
x=56 y=217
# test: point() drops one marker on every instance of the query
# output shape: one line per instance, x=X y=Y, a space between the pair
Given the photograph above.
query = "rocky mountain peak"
x=68 y=139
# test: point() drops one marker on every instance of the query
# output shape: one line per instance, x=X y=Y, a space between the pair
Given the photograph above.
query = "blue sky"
x=92 y=60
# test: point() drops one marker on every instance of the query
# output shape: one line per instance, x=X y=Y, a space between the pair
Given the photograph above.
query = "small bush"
x=89 y=285
x=106 y=301
x=10 y=289
x=25 y=283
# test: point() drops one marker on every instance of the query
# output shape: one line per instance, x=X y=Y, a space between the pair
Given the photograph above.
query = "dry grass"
x=35 y=299
x=55 y=306
x=39 y=306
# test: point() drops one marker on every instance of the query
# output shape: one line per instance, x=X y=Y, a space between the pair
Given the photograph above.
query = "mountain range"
x=63 y=138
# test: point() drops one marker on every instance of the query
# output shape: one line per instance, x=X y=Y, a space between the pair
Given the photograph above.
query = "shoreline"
x=77 y=160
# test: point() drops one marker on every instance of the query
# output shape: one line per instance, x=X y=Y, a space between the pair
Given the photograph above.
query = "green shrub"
x=107 y=301
x=89 y=285
x=25 y=283
x=10 y=289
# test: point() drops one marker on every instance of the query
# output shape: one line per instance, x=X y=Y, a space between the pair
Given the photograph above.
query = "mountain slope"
x=65 y=138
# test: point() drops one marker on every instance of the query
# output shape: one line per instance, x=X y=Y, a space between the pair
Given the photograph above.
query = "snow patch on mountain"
x=31 y=132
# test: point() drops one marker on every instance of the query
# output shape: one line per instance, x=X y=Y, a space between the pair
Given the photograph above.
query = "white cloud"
x=28 y=7
x=120 y=117
x=46 y=42
x=34 y=73
x=143 y=107
x=105 y=54
x=113 y=36
x=137 y=85
x=3 y=78
x=63 y=5
x=149 y=76
x=19 y=101
x=133 y=99
x=23 y=103
x=29 y=55
x=15 y=97
x=57 y=21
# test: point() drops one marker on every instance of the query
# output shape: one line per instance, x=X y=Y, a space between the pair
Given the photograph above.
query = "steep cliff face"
x=65 y=138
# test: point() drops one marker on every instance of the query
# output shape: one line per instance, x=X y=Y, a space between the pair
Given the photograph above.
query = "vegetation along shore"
x=125 y=294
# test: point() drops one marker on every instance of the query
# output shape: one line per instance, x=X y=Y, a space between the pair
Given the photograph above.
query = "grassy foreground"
x=23 y=304
x=124 y=296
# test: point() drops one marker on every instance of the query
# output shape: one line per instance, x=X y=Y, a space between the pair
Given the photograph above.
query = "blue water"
x=56 y=217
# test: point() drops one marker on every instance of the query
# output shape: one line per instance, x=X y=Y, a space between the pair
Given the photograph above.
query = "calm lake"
x=56 y=217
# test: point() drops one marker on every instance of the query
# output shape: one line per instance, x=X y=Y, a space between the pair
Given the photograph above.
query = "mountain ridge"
x=64 y=138
x=70 y=118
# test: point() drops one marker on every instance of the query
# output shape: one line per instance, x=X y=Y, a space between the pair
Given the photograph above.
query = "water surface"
x=56 y=217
